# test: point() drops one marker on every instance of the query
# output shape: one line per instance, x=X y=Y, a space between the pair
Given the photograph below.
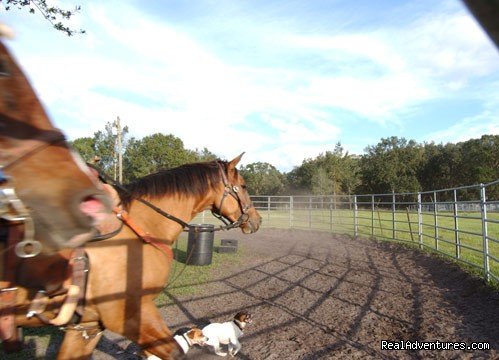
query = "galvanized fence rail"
x=461 y=223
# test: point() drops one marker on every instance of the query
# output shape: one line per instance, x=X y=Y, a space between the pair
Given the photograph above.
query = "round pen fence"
x=461 y=223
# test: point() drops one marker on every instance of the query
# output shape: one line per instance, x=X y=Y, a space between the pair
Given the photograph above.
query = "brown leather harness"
x=20 y=242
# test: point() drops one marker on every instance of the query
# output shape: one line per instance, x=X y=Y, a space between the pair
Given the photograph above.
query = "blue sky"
x=281 y=80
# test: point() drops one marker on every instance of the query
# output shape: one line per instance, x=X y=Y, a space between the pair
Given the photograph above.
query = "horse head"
x=43 y=184
x=232 y=199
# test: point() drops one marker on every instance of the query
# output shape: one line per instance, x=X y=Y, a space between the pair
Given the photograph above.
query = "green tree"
x=105 y=145
x=102 y=144
x=53 y=14
x=321 y=182
x=480 y=159
x=392 y=166
x=441 y=167
x=300 y=178
x=204 y=155
x=340 y=168
x=153 y=153
x=263 y=179
x=85 y=147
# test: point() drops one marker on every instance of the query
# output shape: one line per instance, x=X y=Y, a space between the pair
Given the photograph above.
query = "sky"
x=282 y=80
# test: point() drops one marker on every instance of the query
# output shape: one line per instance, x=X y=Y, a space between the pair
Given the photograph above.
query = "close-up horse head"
x=232 y=199
x=44 y=185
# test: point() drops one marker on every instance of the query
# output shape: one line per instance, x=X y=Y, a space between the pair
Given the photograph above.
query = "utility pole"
x=118 y=149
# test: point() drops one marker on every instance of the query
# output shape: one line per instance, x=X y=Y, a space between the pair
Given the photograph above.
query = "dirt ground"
x=315 y=295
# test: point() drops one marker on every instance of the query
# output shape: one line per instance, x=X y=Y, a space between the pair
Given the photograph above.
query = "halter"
x=232 y=190
x=12 y=209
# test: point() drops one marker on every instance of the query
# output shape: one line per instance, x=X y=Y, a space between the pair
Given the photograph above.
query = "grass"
x=41 y=343
x=192 y=275
x=437 y=234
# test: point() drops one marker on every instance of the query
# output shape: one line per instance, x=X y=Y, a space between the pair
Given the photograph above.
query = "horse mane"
x=193 y=179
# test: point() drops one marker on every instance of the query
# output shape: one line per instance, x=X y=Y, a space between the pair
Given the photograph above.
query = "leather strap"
x=80 y=267
x=145 y=236
x=8 y=293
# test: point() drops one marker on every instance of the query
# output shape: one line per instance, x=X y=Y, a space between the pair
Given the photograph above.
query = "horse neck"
x=183 y=207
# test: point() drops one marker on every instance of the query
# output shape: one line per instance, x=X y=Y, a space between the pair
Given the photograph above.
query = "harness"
x=12 y=209
x=20 y=234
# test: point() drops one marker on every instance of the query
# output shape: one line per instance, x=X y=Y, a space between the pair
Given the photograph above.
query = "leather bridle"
x=232 y=190
x=229 y=189
x=12 y=208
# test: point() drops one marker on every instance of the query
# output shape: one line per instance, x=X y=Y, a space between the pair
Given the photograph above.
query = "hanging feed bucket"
x=200 y=244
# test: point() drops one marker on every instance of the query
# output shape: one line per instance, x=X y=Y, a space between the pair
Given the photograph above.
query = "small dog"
x=227 y=333
x=185 y=338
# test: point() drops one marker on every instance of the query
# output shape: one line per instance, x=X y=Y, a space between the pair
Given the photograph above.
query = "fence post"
x=372 y=215
x=331 y=214
x=309 y=212
x=435 y=218
x=291 y=211
x=393 y=217
x=456 y=228
x=268 y=209
x=485 y=238
x=420 y=222
x=355 y=218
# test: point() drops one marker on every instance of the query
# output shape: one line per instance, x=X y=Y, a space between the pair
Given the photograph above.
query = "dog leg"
x=234 y=347
x=151 y=356
x=215 y=345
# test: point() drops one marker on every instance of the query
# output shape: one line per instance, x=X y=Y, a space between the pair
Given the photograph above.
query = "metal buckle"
x=20 y=248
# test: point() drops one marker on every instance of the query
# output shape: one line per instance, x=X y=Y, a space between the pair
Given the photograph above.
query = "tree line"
x=393 y=165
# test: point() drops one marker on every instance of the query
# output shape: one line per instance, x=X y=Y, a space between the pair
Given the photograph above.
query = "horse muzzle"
x=252 y=224
x=86 y=211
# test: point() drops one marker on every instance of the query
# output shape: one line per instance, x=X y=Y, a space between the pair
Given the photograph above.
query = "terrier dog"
x=227 y=333
x=185 y=338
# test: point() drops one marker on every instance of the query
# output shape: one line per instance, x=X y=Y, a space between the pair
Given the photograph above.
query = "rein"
x=229 y=190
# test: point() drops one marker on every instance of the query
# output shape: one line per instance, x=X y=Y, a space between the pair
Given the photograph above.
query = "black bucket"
x=200 y=244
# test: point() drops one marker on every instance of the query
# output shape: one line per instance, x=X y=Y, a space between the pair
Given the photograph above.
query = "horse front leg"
x=79 y=344
x=153 y=335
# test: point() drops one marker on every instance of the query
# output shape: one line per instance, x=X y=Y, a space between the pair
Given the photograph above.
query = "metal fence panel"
x=461 y=223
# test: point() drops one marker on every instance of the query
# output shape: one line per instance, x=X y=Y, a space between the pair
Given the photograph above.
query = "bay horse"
x=44 y=186
x=129 y=269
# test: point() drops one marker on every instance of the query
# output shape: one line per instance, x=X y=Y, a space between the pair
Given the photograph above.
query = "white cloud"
x=469 y=128
x=158 y=77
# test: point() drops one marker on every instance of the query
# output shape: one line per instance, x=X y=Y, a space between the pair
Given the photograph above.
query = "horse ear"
x=232 y=164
